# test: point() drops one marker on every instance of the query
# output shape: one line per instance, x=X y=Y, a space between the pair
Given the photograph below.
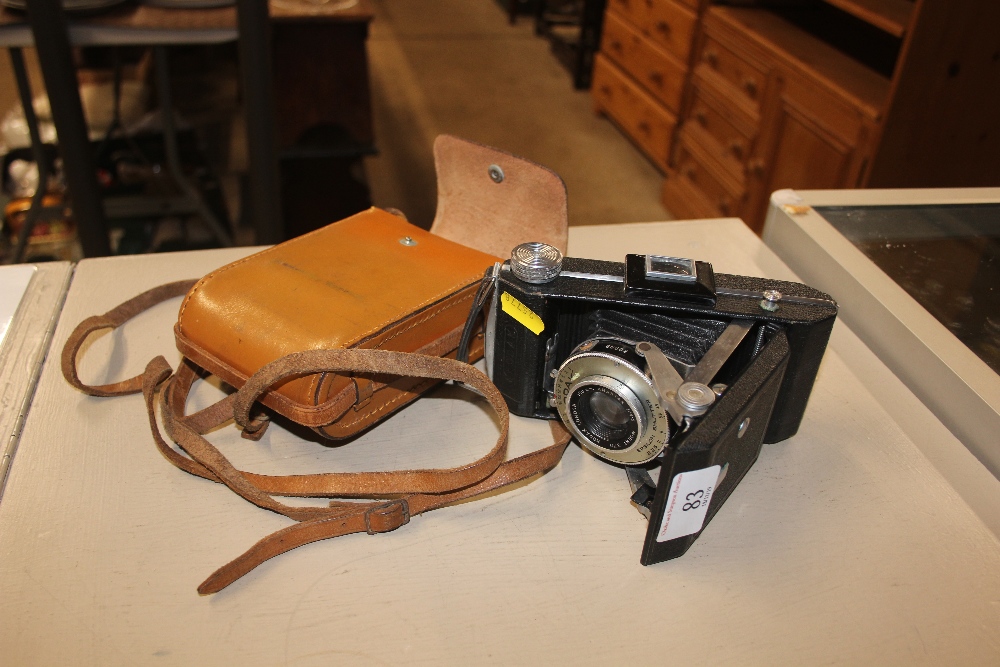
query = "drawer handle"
x=757 y=168
x=724 y=207
x=656 y=78
x=690 y=172
x=615 y=45
x=606 y=90
x=736 y=148
x=644 y=127
x=663 y=27
x=701 y=117
x=750 y=86
x=712 y=58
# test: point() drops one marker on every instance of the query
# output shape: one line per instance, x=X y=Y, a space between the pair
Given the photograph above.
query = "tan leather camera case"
x=371 y=281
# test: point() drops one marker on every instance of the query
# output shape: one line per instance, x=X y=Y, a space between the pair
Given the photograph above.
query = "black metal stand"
x=49 y=28
x=188 y=201
x=37 y=151
x=264 y=198
x=170 y=147
x=575 y=47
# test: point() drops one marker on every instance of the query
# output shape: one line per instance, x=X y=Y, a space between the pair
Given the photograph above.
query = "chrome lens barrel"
x=609 y=404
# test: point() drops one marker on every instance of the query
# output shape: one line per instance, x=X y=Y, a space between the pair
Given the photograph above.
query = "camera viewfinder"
x=669 y=278
x=677 y=269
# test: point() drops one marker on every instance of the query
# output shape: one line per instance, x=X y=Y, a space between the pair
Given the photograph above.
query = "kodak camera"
x=658 y=365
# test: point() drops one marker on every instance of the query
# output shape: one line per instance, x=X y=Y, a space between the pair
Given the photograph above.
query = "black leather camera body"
x=659 y=365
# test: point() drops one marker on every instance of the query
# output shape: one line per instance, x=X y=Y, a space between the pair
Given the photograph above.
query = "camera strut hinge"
x=686 y=398
x=643 y=489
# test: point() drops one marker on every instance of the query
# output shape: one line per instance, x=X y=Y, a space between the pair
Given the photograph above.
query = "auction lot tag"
x=521 y=313
x=687 y=503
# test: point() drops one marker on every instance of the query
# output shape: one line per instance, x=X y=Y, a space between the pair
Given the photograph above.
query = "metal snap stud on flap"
x=408 y=241
x=496 y=173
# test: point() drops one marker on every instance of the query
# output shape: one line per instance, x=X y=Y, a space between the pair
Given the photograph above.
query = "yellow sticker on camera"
x=521 y=313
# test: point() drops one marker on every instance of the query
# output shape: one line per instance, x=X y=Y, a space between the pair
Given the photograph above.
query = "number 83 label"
x=687 y=503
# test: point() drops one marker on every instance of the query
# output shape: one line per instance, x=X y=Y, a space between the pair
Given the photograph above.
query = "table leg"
x=37 y=151
x=51 y=34
x=258 y=94
x=590 y=42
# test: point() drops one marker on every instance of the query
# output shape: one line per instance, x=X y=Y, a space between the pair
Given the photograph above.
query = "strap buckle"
x=387 y=516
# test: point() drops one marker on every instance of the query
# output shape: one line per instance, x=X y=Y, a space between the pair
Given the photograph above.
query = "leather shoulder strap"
x=417 y=490
x=113 y=319
x=383 y=517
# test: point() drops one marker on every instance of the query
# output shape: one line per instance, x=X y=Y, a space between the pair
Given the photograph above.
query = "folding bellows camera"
x=658 y=365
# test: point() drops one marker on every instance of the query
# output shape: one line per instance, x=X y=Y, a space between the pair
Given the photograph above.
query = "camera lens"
x=605 y=415
x=607 y=401
x=609 y=411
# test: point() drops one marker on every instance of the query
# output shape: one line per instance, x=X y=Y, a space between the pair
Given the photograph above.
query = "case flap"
x=370 y=280
x=492 y=210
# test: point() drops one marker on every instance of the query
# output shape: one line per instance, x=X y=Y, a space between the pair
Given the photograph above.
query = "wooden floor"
x=459 y=67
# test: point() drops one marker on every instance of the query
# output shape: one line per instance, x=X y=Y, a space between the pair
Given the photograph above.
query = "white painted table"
x=24 y=344
x=844 y=544
x=961 y=389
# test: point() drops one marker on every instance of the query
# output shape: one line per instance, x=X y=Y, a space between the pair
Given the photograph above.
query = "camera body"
x=658 y=361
